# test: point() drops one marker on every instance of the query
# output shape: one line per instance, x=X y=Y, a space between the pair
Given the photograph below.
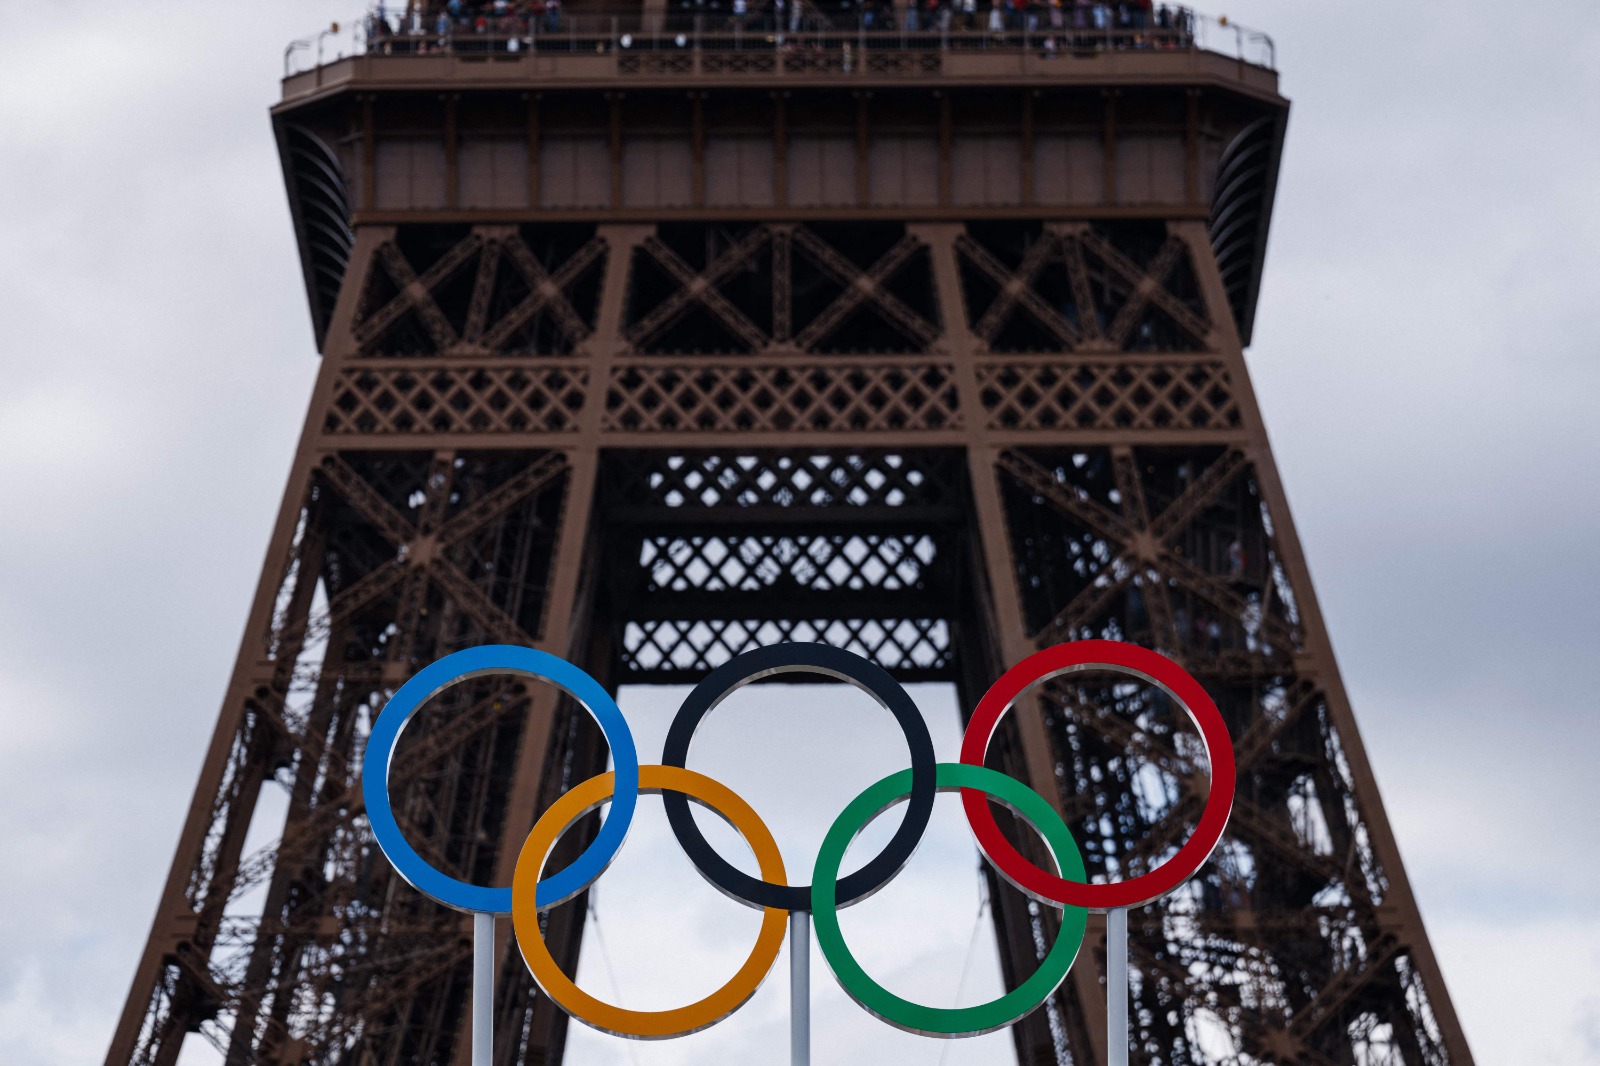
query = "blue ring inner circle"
x=473 y=662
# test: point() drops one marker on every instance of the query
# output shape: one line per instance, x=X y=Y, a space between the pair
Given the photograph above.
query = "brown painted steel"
x=946 y=348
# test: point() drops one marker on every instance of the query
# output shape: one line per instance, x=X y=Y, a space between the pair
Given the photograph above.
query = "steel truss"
x=943 y=444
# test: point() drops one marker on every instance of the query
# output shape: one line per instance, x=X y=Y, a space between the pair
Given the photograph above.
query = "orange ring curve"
x=607 y=1017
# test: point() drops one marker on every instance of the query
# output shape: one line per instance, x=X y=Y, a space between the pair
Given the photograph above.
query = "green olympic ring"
x=946 y=1021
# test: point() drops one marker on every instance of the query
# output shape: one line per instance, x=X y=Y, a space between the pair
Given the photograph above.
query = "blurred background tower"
x=651 y=335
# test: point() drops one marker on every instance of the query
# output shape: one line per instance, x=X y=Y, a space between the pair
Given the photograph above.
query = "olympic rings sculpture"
x=1067 y=888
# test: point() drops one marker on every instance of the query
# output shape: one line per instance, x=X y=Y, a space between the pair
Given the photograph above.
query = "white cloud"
x=46 y=1022
x=1525 y=990
x=65 y=447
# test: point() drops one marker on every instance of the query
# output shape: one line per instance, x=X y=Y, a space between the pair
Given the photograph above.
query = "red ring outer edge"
x=1121 y=658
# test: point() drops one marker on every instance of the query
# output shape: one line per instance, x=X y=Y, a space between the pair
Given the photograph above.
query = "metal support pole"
x=1117 y=987
x=799 y=988
x=482 y=989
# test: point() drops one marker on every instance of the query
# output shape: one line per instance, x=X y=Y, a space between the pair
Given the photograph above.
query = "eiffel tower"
x=651 y=336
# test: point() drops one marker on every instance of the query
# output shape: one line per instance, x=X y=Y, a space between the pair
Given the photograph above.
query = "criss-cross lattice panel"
x=431 y=291
x=815 y=61
x=737 y=562
x=691 y=599
x=744 y=399
x=910 y=63
x=1033 y=287
x=783 y=480
x=1167 y=547
x=718 y=289
x=452 y=552
x=376 y=400
x=655 y=63
x=738 y=62
x=1101 y=394
x=683 y=650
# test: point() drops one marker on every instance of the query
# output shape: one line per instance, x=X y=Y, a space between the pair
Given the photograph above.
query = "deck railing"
x=847 y=42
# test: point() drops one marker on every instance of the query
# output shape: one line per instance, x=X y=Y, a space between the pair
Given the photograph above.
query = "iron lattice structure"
x=648 y=358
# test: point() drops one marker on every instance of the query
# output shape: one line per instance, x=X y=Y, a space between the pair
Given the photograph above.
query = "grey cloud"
x=1424 y=355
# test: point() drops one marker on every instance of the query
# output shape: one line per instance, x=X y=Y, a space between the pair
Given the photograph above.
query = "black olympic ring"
x=817 y=659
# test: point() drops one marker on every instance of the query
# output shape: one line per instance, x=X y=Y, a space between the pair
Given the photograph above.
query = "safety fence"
x=794 y=39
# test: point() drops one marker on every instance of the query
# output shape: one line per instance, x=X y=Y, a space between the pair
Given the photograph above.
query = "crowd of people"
x=953 y=16
x=1124 y=23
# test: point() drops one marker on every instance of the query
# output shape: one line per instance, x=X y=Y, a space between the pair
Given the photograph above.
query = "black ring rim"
x=831 y=662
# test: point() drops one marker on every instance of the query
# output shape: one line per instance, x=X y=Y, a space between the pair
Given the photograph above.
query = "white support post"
x=482 y=989
x=799 y=988
x=1117 y=987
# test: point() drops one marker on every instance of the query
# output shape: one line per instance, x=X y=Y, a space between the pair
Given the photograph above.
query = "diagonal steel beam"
x=1150 y=282
x=415 y=293
x=356 y=491
x=701 y=288
x=1229 y=602
x=538 y=474
x=547 y=291
x=1076 y=504
x=476 y=604
x=1253 y=827
x=1029 y=297
x=372 y=585
x=418 y=291
x=1090 y=603
x=1011 y=291
x=1136 y=513
x=860 y=287
x=482 y=293
x=1199 y=495
x=1345 y=985
x=690 y=283
x=1082 y=292
x=1144 y=286
x=782 y=286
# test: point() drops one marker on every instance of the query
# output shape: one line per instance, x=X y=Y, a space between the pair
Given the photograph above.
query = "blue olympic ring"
x=475 y=662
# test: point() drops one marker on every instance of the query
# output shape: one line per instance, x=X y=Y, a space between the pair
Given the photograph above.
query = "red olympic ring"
x=1166 y=675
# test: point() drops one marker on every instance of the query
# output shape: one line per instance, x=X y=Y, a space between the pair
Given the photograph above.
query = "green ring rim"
x=948 y=1022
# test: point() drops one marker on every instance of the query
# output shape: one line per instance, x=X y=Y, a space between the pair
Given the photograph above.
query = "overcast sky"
x=1427 y=354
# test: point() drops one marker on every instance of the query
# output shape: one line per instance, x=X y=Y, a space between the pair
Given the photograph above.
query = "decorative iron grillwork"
x=377 y=401
x=1108 y=395
x=672 y=651
x=782 y=398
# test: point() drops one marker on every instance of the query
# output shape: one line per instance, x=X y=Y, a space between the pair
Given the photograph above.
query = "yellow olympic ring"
x=645 y=1025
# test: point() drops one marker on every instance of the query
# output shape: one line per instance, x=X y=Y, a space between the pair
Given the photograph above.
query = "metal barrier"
x=1045 y=31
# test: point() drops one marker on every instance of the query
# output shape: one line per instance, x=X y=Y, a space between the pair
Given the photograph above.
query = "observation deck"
x=648 y=116
x=644 y=47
